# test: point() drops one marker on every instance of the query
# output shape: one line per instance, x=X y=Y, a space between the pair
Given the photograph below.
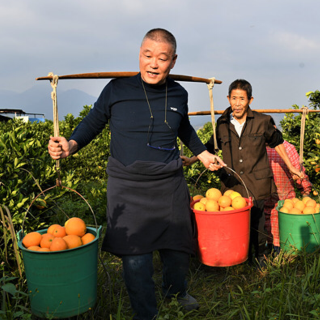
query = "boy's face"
x=239 y=103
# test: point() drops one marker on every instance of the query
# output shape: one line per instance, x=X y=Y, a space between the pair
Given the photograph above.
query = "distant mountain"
x=38 y=100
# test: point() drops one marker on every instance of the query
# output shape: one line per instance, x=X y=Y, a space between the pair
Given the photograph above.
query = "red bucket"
x=223 y=237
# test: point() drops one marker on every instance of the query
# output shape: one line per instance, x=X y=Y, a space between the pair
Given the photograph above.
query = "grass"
x=288 y=288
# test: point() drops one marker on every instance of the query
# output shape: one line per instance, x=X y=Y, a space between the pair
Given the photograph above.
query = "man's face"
x=156 y=59
x=239 y=103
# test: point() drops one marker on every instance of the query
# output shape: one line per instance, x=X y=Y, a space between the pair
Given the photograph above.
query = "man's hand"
x=296 y=174
x=211 y=161
x=188 y=161
x=60 y=148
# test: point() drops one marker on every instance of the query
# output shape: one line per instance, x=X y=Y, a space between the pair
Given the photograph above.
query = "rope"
x=210 y=86
x=305 y=111
x=54 y=84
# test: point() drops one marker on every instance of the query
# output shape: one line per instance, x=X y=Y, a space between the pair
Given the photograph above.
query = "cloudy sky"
x=273 y=44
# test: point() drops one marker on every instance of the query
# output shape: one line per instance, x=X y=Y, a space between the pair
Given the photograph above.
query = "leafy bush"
x=291 y=128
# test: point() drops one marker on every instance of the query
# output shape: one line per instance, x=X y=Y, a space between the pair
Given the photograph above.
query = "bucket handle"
x=250 y=198
x=70 y=189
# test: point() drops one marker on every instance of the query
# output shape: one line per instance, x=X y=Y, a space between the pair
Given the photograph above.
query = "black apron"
x=148 y=208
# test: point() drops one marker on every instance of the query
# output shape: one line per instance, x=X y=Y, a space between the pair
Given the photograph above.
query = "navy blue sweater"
x=123 y=104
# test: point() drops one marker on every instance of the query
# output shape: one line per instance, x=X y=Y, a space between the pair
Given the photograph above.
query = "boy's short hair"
x=242 y=85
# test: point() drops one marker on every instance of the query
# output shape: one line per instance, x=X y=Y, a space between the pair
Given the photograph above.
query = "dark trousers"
x=138 y=272
x=258 y=234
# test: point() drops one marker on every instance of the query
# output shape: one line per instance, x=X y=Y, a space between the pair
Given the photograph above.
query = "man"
x=285 y=189
x=242 y=135
x=148 y=198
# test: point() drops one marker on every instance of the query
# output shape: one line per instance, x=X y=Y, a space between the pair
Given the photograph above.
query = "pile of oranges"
x=306 y=205
x=73 y=234
x=214 y=201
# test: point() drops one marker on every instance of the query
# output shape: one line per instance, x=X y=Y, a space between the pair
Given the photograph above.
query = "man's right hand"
x=60 y=148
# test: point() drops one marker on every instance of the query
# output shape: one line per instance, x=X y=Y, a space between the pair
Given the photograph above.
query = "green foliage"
x=198 y=178
x=291 y=127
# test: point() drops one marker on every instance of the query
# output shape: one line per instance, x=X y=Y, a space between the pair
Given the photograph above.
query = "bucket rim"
x=248 y=207
x=20 y=234
x=279 y=205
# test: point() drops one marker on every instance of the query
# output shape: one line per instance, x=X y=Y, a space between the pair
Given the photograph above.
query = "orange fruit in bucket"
x=227 y=209
x=305 y=199
x=199 y=206
x=284 y=209
x=72 y=241
x=52 y=227
x=203 y=200
x=299 y=205
x=311 y=203
x=213 y=194
x=34 y=248
x=295 y=211
x=59 y=232
x=224 y=201
x=58 y=244
x=212 y=205
x=31 y=239
x=46 y=240
x=75 y=226
x=88 y=237
x=197 y=197
x=239 y=203
x=308 y=210
x=228 y=192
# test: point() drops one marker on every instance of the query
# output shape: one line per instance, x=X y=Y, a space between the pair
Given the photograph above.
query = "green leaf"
x=10 y=288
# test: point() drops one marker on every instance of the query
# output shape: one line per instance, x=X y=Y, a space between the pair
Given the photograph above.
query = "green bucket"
x=62 y=284
x=298 y=231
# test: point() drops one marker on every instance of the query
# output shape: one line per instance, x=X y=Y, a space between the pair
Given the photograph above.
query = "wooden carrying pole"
x=207 y=113
x=126 y=74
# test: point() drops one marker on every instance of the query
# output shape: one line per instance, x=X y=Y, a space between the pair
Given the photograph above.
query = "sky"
x=273 y=44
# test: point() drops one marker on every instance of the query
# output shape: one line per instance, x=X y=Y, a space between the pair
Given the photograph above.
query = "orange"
x=46 y=240
x=311 y=203
x=288 y=204
x=212 y=205
x=199 y=206
x=59 y=232
x=213 y=194
x=234 y=194
x=294 y=211
x=58 y=244
x=224 y=201
x=228 y=192
x=88 y=237
x=308 y=210
x=305 y=199
x=228 y=209
x=72 y=241
x=239 y=203
x=203 y=200
x=34 y=248
x=31 y=239
x=315 y=192
x=299 y=205
x=294 y=200
x=197 y=197
x=317 y=208
x=285 y=209
x=52 y=227
x=44 y=249
x=75 y=226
